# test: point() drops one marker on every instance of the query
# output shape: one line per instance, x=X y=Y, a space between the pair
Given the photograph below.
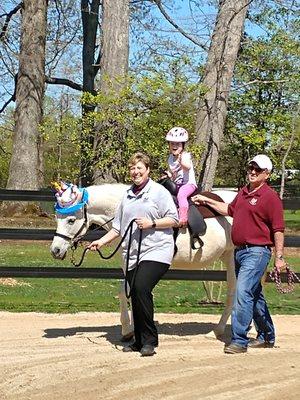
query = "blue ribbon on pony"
x=75 y=207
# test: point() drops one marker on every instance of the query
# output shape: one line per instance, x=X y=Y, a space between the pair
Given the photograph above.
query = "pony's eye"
x=71 y=221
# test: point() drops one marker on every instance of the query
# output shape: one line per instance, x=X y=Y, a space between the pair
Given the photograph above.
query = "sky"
x=195 y=21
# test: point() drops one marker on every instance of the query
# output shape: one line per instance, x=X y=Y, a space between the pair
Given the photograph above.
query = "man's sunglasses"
x=258 y=170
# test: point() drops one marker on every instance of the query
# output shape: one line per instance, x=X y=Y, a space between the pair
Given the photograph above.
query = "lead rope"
x=128 y=229
x=291 y=279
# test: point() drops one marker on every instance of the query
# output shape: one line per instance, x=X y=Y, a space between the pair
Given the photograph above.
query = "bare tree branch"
x=260 y=82
x=170 y=20
x=63 y=81
x=7 y=103
x=49 y=80
x=8 y=18
x=12 y=98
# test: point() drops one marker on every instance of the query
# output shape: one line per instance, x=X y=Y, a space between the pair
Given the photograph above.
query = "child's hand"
x=166 y=174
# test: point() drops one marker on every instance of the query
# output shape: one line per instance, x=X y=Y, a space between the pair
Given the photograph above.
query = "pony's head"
x=71 y=217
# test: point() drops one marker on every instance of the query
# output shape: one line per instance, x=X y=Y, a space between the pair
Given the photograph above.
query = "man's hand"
x=199 y=199
x=279 y=264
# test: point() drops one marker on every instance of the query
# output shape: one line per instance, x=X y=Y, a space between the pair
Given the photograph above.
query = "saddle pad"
x=205 y=210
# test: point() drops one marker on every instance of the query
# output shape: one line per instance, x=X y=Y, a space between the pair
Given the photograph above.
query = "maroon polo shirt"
x=256 y=216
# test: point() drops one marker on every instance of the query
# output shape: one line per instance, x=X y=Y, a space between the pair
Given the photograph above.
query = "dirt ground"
x=79 y=357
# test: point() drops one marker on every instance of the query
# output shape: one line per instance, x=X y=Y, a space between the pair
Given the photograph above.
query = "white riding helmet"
x=177 y=134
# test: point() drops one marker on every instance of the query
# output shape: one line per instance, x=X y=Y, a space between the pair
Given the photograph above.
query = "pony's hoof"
x=128 y=337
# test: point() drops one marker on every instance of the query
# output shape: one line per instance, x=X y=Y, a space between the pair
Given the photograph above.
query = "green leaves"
x=138 y=116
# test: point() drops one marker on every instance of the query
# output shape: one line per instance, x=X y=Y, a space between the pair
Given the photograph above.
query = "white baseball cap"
x=262 y=161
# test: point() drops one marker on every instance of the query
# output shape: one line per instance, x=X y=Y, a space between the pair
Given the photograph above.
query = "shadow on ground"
x=113 y=333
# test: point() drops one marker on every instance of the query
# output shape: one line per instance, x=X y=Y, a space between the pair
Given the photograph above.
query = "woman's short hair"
x=139 y=156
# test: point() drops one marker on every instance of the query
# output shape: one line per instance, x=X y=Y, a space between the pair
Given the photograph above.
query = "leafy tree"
x=142 y=112
x=61 y=131
x=217 y=78
x=6 y=132
x=263 y=104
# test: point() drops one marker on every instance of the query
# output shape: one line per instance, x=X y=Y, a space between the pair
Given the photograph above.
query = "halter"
x=76 y=236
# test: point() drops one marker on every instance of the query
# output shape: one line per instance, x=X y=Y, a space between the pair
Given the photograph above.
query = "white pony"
x=100 y=209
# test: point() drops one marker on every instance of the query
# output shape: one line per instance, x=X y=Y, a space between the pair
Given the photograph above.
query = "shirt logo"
x=253 y=201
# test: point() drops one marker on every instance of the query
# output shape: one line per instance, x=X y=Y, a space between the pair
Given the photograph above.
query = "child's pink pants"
x=184 y=192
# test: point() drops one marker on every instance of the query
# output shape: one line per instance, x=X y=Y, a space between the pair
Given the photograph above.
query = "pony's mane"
x=109 y=188
x=106 y=196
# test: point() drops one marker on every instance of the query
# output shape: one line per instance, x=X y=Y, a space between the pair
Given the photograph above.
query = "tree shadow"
x=192 y=329
x=113 y=333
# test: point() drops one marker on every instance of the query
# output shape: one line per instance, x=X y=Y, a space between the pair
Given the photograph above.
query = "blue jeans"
x=249 y=302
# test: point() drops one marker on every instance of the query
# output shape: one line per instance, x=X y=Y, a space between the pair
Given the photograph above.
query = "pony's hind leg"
x=219 y=330
x=126 y=320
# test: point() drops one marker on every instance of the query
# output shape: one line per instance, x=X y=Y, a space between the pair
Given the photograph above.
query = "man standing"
x=257 y=226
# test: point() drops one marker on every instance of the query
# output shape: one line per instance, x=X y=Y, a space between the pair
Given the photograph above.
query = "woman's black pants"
x=148 y=275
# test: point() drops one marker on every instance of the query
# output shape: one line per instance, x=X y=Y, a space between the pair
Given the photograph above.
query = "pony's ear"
x=64 y=185
x=74 y=189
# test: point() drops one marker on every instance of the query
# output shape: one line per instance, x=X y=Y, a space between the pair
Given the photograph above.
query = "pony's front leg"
x=219 y=330
x=126 y=321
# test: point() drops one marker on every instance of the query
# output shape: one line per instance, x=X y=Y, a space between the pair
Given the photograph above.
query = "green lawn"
x=73 y=295
x=292 y=220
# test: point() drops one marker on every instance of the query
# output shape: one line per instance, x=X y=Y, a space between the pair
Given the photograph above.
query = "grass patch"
x=74 y=295
x=292 y=220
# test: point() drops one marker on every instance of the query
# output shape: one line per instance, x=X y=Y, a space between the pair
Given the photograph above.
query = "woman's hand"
x=199 y=199
x=95 y=245
x=144 y=223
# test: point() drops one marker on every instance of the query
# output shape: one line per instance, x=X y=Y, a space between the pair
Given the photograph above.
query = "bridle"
x=75 y=239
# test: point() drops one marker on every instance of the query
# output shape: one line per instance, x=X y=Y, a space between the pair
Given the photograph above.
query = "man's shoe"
x=257 y=344
x=130 y=348
x=147 y=350
x=233 y=348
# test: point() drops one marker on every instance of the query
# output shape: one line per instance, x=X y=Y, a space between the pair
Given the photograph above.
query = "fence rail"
x=112 y=273
x=48 y=195
x=101 y=273
x=47 y=234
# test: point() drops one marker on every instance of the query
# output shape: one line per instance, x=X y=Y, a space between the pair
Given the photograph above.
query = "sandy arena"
x=79 y=357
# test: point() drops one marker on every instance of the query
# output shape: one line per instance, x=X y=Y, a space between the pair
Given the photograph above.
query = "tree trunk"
x=90 y=21
x=115 y=42
x=113 y=65
x=217 y=79
x=26 y=171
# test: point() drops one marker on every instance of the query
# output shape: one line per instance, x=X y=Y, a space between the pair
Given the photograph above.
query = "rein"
x=128 y=229
x=291 y=279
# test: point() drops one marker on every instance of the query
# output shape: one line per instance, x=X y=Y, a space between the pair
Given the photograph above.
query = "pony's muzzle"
x=57 y=254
